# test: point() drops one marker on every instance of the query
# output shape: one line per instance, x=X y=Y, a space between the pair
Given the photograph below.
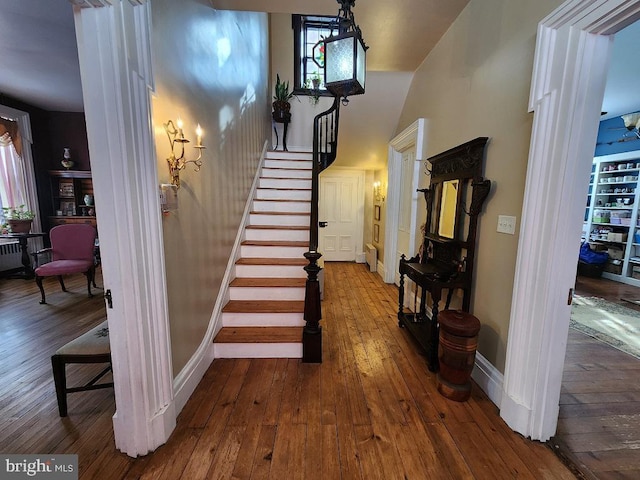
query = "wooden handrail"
x=325 y=145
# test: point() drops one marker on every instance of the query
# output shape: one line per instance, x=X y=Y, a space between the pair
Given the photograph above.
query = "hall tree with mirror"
x=445 y=261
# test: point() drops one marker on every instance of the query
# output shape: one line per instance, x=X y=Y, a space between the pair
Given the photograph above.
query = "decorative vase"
x=20 y=226
x=66 y=159
x=88 y=200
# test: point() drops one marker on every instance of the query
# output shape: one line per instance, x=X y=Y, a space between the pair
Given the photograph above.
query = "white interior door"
x=339 y=212
x=405 y=243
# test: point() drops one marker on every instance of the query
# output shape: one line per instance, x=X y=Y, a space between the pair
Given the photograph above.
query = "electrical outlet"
x=507 y=224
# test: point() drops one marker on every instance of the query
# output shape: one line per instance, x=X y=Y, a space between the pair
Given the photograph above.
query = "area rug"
x=605 y=321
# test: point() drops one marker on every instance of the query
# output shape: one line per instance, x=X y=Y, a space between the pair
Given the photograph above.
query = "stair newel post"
x=312 y=333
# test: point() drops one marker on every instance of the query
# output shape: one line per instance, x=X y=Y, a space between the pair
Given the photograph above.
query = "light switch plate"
x=507 y=224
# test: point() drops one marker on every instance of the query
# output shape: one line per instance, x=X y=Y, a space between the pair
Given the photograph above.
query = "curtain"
x=13 y=186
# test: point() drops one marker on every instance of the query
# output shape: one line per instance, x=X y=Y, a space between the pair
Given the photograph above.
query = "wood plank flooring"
x=599 y=421
x=369 y=411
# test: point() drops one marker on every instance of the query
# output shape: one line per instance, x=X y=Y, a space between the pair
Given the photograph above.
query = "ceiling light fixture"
x=345 y=55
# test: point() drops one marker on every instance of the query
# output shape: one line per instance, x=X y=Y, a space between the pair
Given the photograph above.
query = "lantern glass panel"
x=339 y=60
x=362 y=65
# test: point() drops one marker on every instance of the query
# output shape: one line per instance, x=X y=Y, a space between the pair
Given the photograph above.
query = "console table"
x=446 y=258
x=22 y=238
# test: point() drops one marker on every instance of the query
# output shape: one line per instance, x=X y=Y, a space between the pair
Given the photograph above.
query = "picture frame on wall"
x=376 y=233
x=68 y=208
x=376 y=212
x=66 y=189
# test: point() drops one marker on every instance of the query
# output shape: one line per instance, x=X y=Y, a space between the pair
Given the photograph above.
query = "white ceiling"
x=39 y=60
x=39 y=56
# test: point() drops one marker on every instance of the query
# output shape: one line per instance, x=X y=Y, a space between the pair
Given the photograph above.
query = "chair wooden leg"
x=64 y=289
x=60 y=381
x=39 y=283
x=90 y=275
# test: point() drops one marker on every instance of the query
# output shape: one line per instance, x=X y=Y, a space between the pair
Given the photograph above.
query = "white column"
x=115 y=65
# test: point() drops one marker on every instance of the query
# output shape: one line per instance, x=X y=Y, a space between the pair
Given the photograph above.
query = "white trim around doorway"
x=570 y=69
x=412 y=136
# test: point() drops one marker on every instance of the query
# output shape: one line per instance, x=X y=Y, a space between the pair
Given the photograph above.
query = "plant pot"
x=20 y=226
x=281 y=111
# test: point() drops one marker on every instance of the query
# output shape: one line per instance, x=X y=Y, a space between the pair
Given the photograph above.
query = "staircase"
x=264 y=315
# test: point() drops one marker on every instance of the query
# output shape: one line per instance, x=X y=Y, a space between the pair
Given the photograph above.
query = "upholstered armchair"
x=72 y=251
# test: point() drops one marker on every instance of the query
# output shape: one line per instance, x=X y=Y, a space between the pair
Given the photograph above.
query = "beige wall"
x=210 y=67
x=476 y=83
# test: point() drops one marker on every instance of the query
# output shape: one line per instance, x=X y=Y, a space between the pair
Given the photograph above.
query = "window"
x=309 y=54
x=17 y=175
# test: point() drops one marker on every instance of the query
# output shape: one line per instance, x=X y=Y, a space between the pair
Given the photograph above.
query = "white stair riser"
x=288 y=155
x=235 y=319
x=294 y=164
x=273 y=194
x=285 y=173
x=274 y=206
x=278 y=220
x=257 y=350
x=270 y=271
x=272 y=251
x=284 y=183
x=276 y=234
x=266 y=293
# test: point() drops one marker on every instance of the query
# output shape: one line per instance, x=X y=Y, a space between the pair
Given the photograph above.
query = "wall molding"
x=413 y=135
x=116 y=89
x=569 y=75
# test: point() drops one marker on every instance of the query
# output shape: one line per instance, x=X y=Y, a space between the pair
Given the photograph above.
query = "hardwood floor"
x=370 y=410
x=599 y=421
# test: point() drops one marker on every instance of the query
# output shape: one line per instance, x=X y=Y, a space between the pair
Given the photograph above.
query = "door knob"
x=322 y=224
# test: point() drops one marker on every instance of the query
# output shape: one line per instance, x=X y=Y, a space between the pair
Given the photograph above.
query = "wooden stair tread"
x=284 y=189
x=306 y=214
x=285 y=178
x=259 y=335
x=272 y=261
x=276 y=243
x=267 y=282
x=278 y=227
x=295 y=169
x=264 y=306
x=281 y=200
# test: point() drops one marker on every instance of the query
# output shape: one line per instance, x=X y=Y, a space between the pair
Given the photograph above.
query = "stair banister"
x=325 y=143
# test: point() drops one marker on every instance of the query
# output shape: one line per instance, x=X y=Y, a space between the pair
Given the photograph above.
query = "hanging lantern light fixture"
x=345 y=55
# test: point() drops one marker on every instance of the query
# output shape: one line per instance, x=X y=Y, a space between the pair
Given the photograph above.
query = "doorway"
x=406 y=152
x=572 y=52
x=340 y=212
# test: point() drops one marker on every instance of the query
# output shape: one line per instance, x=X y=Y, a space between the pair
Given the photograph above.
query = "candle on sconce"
x=198 y=136
x=179 y=123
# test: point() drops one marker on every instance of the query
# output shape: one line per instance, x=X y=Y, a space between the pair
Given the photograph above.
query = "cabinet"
x=611 y=218
x=69 y=189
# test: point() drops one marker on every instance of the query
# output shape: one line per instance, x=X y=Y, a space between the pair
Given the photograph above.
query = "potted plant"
x=313 y=85
x=18 y=219
x=281 y=105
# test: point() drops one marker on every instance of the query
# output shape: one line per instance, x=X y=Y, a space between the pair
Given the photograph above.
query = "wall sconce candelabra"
x=377 y=191
x=177 y=163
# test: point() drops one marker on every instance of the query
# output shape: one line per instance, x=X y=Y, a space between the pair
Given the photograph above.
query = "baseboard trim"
x=489 y=379
x=380 y=269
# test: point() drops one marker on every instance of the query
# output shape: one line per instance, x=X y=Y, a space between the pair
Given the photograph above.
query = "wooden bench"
x=90 y=347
